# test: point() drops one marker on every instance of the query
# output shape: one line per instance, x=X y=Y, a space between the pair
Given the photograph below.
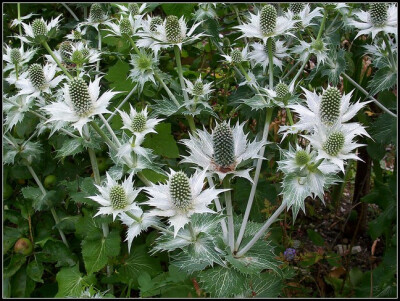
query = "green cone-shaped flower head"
x=198 y=88
x=268 y=19
x=96 y=13
x=299 y=23
x=77 y=35
x=296 y=8
x=236 y=56
x=133 y=8
x=334 y=144
x=78 y=57
x=15 y=56
x=154 y=23
x=125 y=27
x=80 y=97
x=379 y=13
x=173 y=30
x=118 y=197
x=223 y=144
x=66 y=51
x=317 y=45
x=181 y=193
x=302 y=157
x=330 y=106
x=139 y=122
x=36 y=75
x=273 y=46
x=281 y=90
x=39 y=29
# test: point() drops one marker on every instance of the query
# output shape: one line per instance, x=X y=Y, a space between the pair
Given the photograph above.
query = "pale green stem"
x=133 y=44
x=271 y=63
x=99 y=49
x=264 y=228
x=45 y=45
x=268 y=119
x=120 y=105
x=367 y=94
x=19 y=25
x=70 y=11
x=219 y=208
x=391 y=56
x=16 y=71
x=160 y=80
x=321 y=29
x=291 y=70
x=110 y=130
x=300 y=71
x=52 y=210
x=191 y=230
x=229 y=213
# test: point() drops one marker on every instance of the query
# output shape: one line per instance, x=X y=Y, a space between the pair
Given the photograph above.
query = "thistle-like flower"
x=266 y=24
x=97 y=16
x=316 y=47
x=223 y=152
x=172 y=31
x=116 y=198
x=381 y=17
x=237 y=56
x=126 y=26
x=260 y=54
x=138 y=224
x=80 y=104
x=336 y=143
x=329 y=108
x=144 y=66
x=39 y=30
x=132 y=9
x=15 y=108
x=381 y=54
x=304 y=177
x=302 y=14
x=198 y=89
x=16 y=57
x=77 y=34
x=38 y=80
x=181 y=197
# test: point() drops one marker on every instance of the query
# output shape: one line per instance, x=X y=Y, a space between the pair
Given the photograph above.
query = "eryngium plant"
x=163 y=128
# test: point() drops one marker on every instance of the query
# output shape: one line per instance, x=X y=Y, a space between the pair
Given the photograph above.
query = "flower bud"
x=139 y=122
x=39 y=28
x=173 y=30
x=15 y=56
x=133 y=8
x=66 y=51
x=36 y=75
x=268 y=18
x=236 y=56
x=125 y=27
x=296 y=8
x=181 y=194
x=281 y=90
x=118 y=197
x=223 y=145
x=80 y=97
x=330 y=106
x=334 y=144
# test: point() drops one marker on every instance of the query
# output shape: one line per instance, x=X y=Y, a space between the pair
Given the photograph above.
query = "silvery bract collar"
x=316 y=47
x=381 y=17
x=16 y=56
x=232 y=149
x=259 y=54
x=116 y=198
x=125 y=26
x=80 y=104
x=181 y=197
x=16 y=109
x=304 y=17
x=39 y=30
x=132 y=9
x=237 y=56
x=144 y=66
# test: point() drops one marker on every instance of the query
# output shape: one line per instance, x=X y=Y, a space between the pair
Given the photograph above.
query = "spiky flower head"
x=179 y=187
x=77 y=35
x=334 y=144
x=223 y=145
x=39 y=28
x=198 y=88
x=318 y=45
x=379 y=13
x=36 y=75
x=236 y=56
x=299 y=23
x=80 y=97
x=330 y=106
x=297 y=7
x=226 y=42
x=281 y=90
x=173 y=30
x=302 y=157
x=139 y=122
x=96 y=13
x=15 y=56
x=78 y=57
x=66 y=51
x=118 y=197
x=133 y=8
x=273 y=46
x=155 y=22
x=268 y=19
x=125 y=27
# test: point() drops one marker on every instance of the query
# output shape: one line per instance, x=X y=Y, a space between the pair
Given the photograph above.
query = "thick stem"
x=291 y=70
x=160 y=80
x=52 y=210
x=180 y=72
x=45 y=45
x=219 y=208
x=19 y=24
x=229 y=213
x=191 y=230
x=99 y=49
x=260 y=233
x=133 y=45
x=255 y=180
x=321 y=29
x=110 y=130
x=271 y=63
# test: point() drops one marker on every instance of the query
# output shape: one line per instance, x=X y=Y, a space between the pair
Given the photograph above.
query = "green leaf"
x=17 y=260
x=265 y=285
x=137 y=263
x=96 y=252
x=383 y=79
x=179 y=9
x=315 y=237
x=35 y=271
x=163 y=143
x=384 y=130
x=117 y=75
x=222 y=282
x=70 y=147
x=71 y=283
x=56 y=251
x=165 y=107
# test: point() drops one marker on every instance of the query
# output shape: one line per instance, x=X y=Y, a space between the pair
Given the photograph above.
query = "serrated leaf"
x=70 y=147
x=165 y=107
x=71 y=283
x=96 y=252
x=383 y=79
x=222 y=282
x=256 y=103
x=162 y=142
x=384 y=129
x=265 y=285
x=179 y=9
x=315 y=237
x=56 y=251
x=185 y=262
x=117 y=75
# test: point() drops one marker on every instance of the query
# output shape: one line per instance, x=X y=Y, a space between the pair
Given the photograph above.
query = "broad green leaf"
x=56 y=251
x=17 y=260
x=162 y=142
x=383 y=79
x=118 y=74
x=35 y=271
x=179 y=9
x=96 y=252
x=315 y=237
x=71 y=282
x=265 y=285
x=384 y=130
x=70 y=147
